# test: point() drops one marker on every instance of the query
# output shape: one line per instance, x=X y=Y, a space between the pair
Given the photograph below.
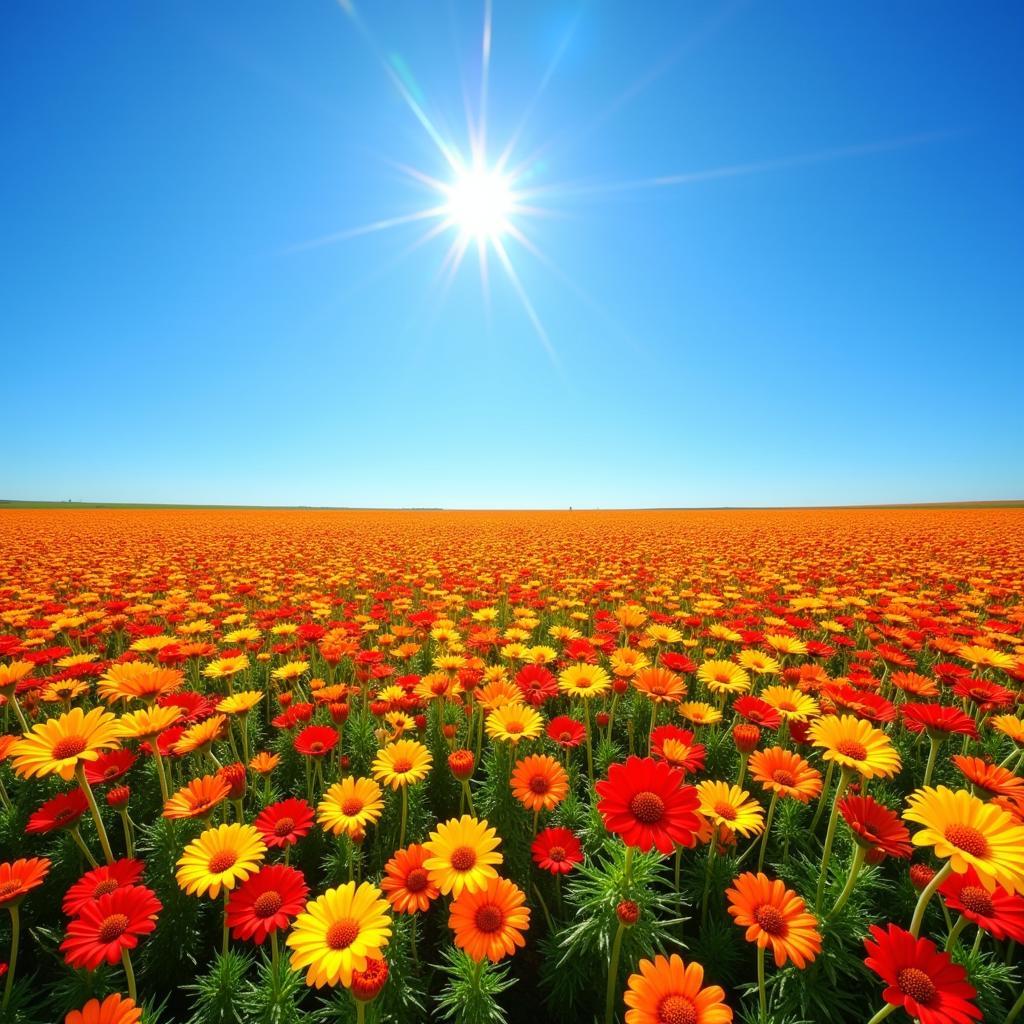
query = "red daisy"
x=758 y=711
x=316 y=740
x=101 y=881
x=194 y=706
x=62 y=811
x=566 y=731
x=939 y=720
x=284 y=823
x=266 y=902
x=646 y=802
x=875 y=826
x=109 y=925
x=677 y=662
x=110 y=766
x=999 y=913
x=871 y=706
x=986 y=695
x=556 y=850
x=537 y=684
x=925 y=982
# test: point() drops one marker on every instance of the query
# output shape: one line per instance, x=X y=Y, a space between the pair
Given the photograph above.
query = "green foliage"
x=273 y=996
x=217 y=995
x=470 y=994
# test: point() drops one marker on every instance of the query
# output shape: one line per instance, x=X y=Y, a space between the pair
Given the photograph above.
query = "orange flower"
x=490 y=922
x=785 y=773
x=667 y=991
x=18 y=878
x=197 y=799
x=115 y=1009
x=774 y=916
x=660 y=685
x=539 y=782
x=405 y=884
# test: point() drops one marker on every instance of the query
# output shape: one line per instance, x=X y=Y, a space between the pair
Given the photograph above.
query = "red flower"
x=940 y=721
x=758 y=711
x=194 y=706
x=986 y=695
x=316 y=740
x=674 y=745
x=266 y=902
x=991 y=778
x=109 y=925
x=566 y=731
x=1000 y=913
x=369 y=981
x=871 y=706
x=925 y=982
x=556 y=850
x=110 y=766
x=677 y=662
x=537 y=684
x=875 y=827
x=646 y=803
x=285 y=822
x=62 y=811
x=101 y=881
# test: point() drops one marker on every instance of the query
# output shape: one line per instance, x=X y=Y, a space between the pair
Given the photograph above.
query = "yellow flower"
x=147 y=723
x=971 y=833
x=12 y=674
x=224 y=668
x=402 y=763
x=699 y=713
x=663 y=634
x=513 y=722
x=461 y=855
x=58 y=746
x=855 y=744
x=289 y=671
x=220 y=858
x=1009 y=725
x=338 y=932
x=349 y=806
x=584 y=680
x=240 y=703
x=790 y=703
x=138 y=680
x=723 y=677
x=985 y=656
x=785 y=644
x=723 y=804
x=759 y=663
x=202 y=735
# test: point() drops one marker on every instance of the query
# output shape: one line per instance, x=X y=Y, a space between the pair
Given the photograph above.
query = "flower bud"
x=921 y=875
x=746 y=737
x=366 y=984
x=628 y=913
x=118 y=797
x=462 y=764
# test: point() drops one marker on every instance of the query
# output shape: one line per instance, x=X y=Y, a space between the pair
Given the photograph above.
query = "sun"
x=479 y=203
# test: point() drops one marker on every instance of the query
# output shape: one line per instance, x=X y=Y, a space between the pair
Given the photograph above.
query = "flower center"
x=725 y=810
x=648 y=808
x=677 y=1010
x=784 y=778
x=316 y=746
x=342 y=933
x=556 y=854
x=968 y=839
x=463 y=858
x=416 y=880
x=785 y=705
x=976 y=900
x=108 y=885
x=401 y=766
x=915 y=983
x=267 y=904
x=221 y=861
x=283 y=827
x=70 y=746
x=539 y=785
x=489 y=918
x=565 y=737
x=513 y=727
x=852 y=749
x=8 y=889
x=112 y=927
x=770 y=919
x=62 y=816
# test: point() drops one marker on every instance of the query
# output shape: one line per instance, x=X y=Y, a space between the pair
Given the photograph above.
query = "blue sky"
x=836 y=317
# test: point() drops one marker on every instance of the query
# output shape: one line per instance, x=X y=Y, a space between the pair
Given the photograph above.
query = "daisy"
x=490 y=921
x=462 y=855
x=668 y=991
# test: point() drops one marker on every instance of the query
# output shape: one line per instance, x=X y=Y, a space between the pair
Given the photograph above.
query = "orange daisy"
x=539 y=782
x=774 y=916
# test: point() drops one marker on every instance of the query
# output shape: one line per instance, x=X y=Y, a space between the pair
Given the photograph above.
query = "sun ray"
x=367 y=229
x=531 y=312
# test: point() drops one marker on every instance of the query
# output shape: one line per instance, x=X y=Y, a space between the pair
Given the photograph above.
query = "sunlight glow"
x=479 y=204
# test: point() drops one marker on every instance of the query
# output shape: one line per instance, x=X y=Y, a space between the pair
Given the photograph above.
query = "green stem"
x=469 y=797
x=925 y=898
x=17 y=710
x=859 y=854
x=882 y=1014
x=830 y=835
x=613 y=972
x=129 y=974
x=955 y=931
x=977 y=942
x=405 y=816
x=360 y=1011
x=590 y=749
x=762 y=996
x=164 y=792
x=767 y=829
x=1015 y=1009
x=824 y=794
x=224 y=944
x=12 y=962
x=544 y=907
x=933 y=753
x=712 y=843
x=86 y=852
x=94 y=808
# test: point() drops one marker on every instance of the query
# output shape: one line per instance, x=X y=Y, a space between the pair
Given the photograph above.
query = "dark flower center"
x=648 y=808
x=556 y=854
x=8 y=889
x=70 y=746
x=968 y=839
x=350 y=808
x=283 y=827
x=852 y=749
x=342 y=933
x=489 y=918
x=677 y=1010
x=915 y=983
x=977 y=900
x=539 y=785
x=102 y=888
x=401 y=766
x=221 y=861
x=267 y=904
x=463 y=858
x=725 y=810
x=416 y=880
x=770 y=919
x=112 y=927
x=784 y=778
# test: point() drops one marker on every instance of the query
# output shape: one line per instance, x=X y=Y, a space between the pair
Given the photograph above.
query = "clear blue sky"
x=839 y=317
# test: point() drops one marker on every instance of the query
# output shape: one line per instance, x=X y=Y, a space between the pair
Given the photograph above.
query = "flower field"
x=262 y=767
